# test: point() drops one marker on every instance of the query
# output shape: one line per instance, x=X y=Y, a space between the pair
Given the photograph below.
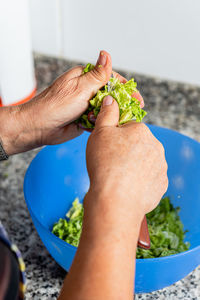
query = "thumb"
x=99 y=76
x=109 y=113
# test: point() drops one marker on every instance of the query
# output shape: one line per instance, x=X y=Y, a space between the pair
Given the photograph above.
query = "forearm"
x=104 y=265
x=17 y=129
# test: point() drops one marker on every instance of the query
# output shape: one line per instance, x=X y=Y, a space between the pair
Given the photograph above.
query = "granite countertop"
x=169 y=104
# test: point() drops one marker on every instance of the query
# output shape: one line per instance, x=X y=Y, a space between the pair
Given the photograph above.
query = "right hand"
x=125 y=163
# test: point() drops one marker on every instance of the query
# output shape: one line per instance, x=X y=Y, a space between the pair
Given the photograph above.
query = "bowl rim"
x=74 y=248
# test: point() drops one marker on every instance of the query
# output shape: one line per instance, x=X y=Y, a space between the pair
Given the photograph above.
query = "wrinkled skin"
x=127 y=160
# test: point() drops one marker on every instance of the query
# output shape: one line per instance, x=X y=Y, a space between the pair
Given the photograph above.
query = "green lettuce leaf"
x=165 y=229
x=166 y=232
x=69 y=229
x=88 y=68
x=129 y=106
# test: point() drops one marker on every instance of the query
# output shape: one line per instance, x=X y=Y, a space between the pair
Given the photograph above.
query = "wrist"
x=114 y=208
x=8 y=127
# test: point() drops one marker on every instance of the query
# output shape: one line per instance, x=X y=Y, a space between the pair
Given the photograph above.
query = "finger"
x=109 y=113
x=139 y=97
x=72 y=73
x=65 y=133
x=71 y=131
x=98 y=77
x=75 y=72
x=91 y=116
x=120 y=77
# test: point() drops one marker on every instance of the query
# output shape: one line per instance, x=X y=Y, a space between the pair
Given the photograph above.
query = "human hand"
x=126 y=164
x=48 y=118
x=128 y=176
x=68 y=98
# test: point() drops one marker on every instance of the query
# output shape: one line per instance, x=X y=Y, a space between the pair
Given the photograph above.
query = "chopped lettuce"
x=129 y=106
x=69 y=229
x=166 y=232
x=88 y=68
x=165 y=229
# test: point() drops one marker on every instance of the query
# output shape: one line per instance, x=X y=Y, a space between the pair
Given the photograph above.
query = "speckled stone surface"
x=169 y=104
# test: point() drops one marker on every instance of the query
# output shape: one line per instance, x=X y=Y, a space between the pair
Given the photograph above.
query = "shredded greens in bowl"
x=69 y=229
x=129 y=106
x=165 y=229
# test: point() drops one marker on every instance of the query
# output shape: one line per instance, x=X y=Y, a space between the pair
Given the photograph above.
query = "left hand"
x=57 y=107
x=48 y=118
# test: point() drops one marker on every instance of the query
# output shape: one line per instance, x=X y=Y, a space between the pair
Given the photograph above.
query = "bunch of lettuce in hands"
x=122 y=92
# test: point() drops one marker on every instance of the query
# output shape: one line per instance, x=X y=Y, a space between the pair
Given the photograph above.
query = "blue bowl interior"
x=58 y=174
x=183 y=157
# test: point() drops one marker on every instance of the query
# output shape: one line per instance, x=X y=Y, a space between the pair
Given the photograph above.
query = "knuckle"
x=166 y=183
x=142 y=126
x=160 y=147
x=165 y=166
x=78 y=69
x=137 y=129
x=65 y=87
x=71 y=86
x=164 y=178
x=146 y=132
x=99 y=75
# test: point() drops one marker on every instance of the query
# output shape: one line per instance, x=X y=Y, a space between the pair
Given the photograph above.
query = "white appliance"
x=17 y=80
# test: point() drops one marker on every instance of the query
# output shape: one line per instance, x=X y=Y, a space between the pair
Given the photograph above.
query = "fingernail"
x=108 y=100
x=102 y=59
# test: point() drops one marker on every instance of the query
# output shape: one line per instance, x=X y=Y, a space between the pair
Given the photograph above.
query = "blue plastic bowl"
x=58 y=174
